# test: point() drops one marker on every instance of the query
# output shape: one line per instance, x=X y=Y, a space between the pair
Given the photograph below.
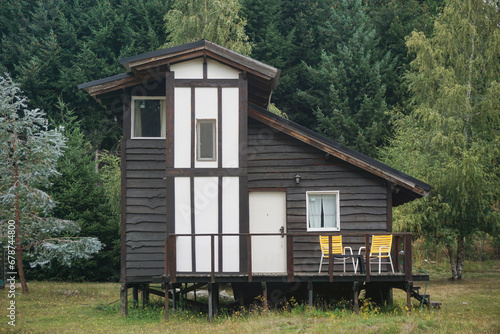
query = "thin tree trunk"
x=453 y=265
x=19 y=251
x=460 y=256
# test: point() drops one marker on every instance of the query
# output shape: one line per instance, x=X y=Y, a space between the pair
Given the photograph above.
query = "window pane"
x=149 y=118
x=329 y=210
x=206 y=139
x=322 y=211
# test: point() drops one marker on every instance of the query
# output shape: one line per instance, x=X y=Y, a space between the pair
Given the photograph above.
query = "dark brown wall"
x=273 y=160
x=145 y=208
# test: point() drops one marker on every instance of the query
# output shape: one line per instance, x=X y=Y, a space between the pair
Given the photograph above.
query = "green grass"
x=469 y=306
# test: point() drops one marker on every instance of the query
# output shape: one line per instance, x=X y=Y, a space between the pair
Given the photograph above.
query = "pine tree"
x=30 y=152
x=81 y=196
x=345 y=89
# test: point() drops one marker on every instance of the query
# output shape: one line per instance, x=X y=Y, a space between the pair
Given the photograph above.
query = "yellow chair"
x=337 y=249
x=380 y=248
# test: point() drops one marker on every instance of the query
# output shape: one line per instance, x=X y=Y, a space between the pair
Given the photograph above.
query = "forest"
x=412 y=83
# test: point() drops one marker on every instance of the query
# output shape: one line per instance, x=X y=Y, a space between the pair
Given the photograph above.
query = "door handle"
x=282 y=231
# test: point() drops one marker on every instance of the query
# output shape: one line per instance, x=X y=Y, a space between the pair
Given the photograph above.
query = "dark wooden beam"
x=206 y=82
x=215 y=172
x=193 y=224
x=169 y=158
x=193 y=127
x=245 y=259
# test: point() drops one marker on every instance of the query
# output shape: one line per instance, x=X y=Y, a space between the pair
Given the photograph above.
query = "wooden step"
x=434 y=304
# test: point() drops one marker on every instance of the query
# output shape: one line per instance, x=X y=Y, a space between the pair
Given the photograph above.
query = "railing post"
x=289 y=257
x=173 y=260
x=395 y=255
x=166 y=258
x=330 y=259
x=249 y=258
x=367 y=257
x=407 y=257
x=212 y=251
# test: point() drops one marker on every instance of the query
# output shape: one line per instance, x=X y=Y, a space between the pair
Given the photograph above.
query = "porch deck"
x=297 y=277
x=401 y=246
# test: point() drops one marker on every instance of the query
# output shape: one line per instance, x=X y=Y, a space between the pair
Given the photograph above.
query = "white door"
x=268 y=215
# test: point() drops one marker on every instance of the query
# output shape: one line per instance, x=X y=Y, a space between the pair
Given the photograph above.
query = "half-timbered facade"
x=214 y=186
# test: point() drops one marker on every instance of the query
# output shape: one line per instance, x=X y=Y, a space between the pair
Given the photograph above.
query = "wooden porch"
x=172 y=280
x=401 y=250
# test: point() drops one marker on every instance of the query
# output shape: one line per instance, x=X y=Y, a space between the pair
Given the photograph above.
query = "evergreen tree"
x=345 y=89
x=52 y=46
x=451 y=139
x=30 y=152
x=81 y=196
x=264 y=18
x=214 y=20
x=393 y=21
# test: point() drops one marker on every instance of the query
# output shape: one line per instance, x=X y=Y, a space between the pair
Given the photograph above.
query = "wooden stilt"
x=210 y=302
x=135 y=296
x=355 y=290
x=166 y=301
x=241 y=297
x=145 y=295
x=310 y=292
x=174 y=300
x=216 y=299
x=408 y=295
x=265 y=295
x=123 y=300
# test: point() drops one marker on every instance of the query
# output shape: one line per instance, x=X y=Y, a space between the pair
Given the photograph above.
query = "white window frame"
x=132 y=114
x=337 y=204
x=198 y=122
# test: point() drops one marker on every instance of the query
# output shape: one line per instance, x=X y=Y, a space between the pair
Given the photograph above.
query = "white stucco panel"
x=192 y=69
x=183 y=223
x=182 y=126
x=216 y=70
x=230 y=127
x=206 y=213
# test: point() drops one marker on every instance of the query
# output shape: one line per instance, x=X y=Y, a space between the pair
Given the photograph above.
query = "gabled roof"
x=407 y=188
x=262 y=78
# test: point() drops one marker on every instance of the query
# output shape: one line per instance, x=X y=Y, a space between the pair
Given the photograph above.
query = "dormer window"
x=148 y=117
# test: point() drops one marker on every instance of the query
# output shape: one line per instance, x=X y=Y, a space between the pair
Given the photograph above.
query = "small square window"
x=323 y=211
x=148 y=118
x=205 y=134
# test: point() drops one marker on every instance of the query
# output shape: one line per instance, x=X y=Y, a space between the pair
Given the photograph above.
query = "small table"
x=358 y=260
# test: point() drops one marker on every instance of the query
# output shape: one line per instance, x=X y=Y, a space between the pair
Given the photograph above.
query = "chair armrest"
x=360 y=248
x=349 y=248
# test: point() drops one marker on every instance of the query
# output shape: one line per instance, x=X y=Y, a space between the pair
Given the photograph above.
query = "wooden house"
x=215 y=188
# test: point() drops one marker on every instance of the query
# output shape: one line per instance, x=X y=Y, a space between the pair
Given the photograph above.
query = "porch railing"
x=400 y=240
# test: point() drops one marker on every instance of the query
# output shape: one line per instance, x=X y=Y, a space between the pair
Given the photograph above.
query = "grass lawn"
x=469 y=306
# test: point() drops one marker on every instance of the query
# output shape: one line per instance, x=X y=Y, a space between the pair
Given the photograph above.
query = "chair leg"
x=392 y=266
x=379 y=264
x=320 y=263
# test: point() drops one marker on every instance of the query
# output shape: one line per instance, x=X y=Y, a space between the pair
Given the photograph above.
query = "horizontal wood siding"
x=146 y=208
x=275 y=158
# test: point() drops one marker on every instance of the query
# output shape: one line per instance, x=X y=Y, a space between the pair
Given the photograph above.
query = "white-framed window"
x=323 y=211
x=206 y=137
x=149 y=117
